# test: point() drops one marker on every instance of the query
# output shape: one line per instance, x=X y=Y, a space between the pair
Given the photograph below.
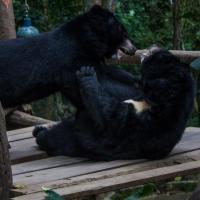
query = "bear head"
x=164 y=76
x=100 y=35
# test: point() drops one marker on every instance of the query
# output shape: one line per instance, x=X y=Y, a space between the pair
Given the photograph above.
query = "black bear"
x=32 y=68
x=109 y=128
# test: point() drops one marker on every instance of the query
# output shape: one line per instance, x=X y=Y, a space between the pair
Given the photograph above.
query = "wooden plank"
x=179 y=159
x=108 y=173
x=27 y=189
x=46 y=163
x=26 y=147
x=19 y=131
x=188 y=143
x=67 y=172
x=123 y=181
x=25 y=150
x=84 y=168
x=192 y=129
x=26 y=133
x=22 y=136
x=192 y=143
x=30 y=129
x=32 y=154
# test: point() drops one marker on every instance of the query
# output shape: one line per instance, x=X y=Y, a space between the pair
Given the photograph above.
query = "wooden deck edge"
x=124 y=181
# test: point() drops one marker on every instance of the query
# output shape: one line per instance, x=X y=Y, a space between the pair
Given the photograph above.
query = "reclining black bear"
x=32 y=68
x=109 y=128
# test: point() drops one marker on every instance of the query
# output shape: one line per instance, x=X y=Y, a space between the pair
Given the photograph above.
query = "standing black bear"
x=33 y=68
x=110 y=129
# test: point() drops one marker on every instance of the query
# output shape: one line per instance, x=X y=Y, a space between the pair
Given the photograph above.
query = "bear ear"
x=96 y=8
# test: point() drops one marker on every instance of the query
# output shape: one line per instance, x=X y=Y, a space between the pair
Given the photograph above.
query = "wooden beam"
x=185 y=56
x=24 y=119
x=8 y=111
x=5 y=167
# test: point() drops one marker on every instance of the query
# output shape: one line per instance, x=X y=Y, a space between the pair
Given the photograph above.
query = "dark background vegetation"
x=148 y=22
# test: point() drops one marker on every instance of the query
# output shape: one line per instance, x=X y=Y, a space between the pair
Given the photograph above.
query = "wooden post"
x=176 y=24
x=5 y=167
x=7 y=22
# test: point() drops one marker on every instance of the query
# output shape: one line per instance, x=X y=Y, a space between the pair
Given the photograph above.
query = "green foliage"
x=141 y=19
x=195 y=119
x=190 y=24
x=54 y=107
x=147 y=22
x=180 y=185
x=135 y=194
x=47 y=14
x=51 y=195
x=184 y=186
x=178 y=179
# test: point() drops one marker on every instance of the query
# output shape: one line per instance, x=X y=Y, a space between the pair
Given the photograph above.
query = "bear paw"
x=86 y=71
x=38 y=129
x=40 y=133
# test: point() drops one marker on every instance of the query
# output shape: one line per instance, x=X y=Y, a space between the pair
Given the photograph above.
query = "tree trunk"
x=176 y=24
x=7 y=22
x=46 y=14
x=111 y=5
x=5 y=167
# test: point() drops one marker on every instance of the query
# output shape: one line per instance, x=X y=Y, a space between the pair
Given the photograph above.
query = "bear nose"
x=128 y=47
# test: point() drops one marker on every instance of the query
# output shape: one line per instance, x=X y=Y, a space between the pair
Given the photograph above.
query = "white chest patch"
x=139 y=106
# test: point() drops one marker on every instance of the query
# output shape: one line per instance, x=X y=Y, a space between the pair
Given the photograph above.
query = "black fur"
x=111 y=129
x=32 y=68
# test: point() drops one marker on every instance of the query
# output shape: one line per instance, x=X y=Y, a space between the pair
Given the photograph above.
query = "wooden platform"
x=78 y=177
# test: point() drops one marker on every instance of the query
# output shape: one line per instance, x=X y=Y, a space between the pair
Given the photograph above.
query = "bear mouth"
x=128 y=48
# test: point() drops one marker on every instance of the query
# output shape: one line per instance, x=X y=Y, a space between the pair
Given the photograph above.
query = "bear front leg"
x=98 y=103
